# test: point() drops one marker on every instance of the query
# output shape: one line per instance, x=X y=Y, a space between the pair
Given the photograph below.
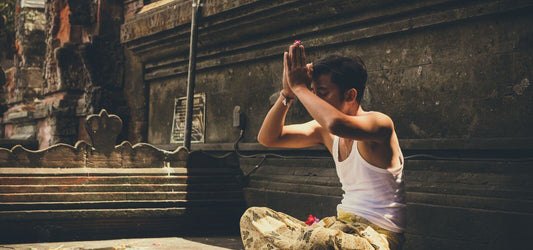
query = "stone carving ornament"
x=102 y=152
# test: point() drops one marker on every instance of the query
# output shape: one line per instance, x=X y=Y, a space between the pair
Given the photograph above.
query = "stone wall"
x=7 y=33
x=24 y=81
x=70 y=64
x=453 y=75
x=440 y=69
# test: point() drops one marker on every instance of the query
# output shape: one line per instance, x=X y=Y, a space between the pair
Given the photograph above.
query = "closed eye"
x=321 y=92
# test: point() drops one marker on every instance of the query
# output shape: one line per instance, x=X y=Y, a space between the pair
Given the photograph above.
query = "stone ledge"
x=144 y=213
x=125 y=171
x=238 y=40
x=115 y=204
x=171 y=15
x=505 y=143
x=18 y=115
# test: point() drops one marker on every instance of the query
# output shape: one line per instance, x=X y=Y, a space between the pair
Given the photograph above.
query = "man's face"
x=327 y=90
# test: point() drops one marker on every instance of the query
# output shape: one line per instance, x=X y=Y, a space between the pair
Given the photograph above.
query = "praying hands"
x=295 y=70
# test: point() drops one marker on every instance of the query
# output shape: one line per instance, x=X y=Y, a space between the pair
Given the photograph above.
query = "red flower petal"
x=310 y=220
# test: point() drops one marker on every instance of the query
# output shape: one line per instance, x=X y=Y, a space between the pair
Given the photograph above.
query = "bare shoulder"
x=380 y=119
x=383 y=150
x=373 y=126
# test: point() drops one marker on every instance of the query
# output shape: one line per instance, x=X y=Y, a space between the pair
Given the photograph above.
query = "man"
x=365 y=149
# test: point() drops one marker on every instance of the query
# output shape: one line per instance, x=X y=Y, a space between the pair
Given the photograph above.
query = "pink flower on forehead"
x=311 y=220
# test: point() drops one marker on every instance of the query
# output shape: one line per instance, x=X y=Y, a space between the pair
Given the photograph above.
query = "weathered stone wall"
x=24 y=81
x=453 y=75
x=440 y=69
x=7 y=33
x=29 y=26
x=83 y=51
x=70 y=64
x=135 y=93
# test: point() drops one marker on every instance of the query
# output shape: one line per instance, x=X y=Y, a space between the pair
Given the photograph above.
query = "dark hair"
x=346 y=72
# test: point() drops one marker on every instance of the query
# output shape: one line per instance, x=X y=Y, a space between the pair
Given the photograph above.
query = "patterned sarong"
x=264 y=228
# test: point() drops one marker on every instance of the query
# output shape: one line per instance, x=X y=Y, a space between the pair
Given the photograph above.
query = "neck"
x=355 y=110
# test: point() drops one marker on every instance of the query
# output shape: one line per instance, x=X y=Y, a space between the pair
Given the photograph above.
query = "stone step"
x=123 y=204
x=470 y=189
x=104 y=196
x=300 y=170
x=302 y=186
x=310 y=180
x=55 y=180
x=506 y=180
x=465 y=200
x=76 y=214
x=89 y=224
x=478 y=166
x=326 y=166
x=162 y=171
x=118 y=188
x=296 y=187
x=445 y=178
x=471 y=202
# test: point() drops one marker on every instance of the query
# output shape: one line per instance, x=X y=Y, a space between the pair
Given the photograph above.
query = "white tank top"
x=373 y=193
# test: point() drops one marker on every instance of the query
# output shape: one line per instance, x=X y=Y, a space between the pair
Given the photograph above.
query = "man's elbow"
x=262 y=141
x=265 y=141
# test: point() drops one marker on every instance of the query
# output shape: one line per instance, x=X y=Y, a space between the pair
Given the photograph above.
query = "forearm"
x=376 y=127
x=273 y=124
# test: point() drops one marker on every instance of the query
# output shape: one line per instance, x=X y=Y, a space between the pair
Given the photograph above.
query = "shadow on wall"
x=215 y=199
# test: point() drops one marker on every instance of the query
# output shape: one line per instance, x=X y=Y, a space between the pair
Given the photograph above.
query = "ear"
x=350 y=95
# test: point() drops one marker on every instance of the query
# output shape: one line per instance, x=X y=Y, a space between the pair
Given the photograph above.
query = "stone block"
x=17 y=115
x=22 y=132
x=131 y=7
x=31 y=77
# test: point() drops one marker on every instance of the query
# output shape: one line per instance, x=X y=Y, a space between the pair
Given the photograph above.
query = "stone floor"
x=225 y=242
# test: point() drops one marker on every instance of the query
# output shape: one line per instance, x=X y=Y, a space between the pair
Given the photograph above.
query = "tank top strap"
x=335 y=148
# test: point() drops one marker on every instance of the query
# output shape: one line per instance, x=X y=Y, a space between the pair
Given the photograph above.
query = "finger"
x=286 y=61
x=301 y=55
x=291 y=50
x=292 y=57
x=298 y=56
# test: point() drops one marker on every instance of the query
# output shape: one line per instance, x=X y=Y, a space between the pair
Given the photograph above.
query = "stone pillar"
x=24 y=81
x=69 y=65
x=84 y=60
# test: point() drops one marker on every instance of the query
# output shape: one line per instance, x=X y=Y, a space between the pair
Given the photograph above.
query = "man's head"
x=346 y=73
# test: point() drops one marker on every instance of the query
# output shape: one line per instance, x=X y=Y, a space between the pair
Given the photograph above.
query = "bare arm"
x=372 y=126
x=273 y=133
